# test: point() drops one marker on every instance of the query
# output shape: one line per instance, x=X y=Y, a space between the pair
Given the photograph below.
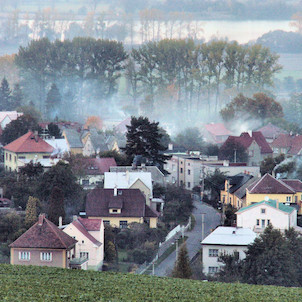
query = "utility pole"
x=176 y=242
x=202 y=226
x=202 y=183
x=235 y=155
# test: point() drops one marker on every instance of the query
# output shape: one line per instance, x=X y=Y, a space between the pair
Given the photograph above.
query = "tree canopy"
x=190 y=139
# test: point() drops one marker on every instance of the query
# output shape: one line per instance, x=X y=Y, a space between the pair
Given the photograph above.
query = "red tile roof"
x=44 y=235
x=217 y=129
x=91 y=224
x=132 y=201
x=291 y=142
x=246 y=140
x=296 y=184
x=81 y=227
x=267 y=184
x=29 y=143
x=271 y=131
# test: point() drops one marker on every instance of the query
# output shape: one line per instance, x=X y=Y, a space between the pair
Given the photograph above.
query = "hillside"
x=20 y=283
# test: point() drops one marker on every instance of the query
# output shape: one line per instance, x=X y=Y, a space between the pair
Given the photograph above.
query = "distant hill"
x=282 y=41
x=29 y=283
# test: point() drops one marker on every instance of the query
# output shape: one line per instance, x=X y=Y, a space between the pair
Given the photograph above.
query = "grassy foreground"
x=20 y=283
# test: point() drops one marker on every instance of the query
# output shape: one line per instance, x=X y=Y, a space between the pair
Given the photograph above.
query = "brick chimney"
x=41 y=219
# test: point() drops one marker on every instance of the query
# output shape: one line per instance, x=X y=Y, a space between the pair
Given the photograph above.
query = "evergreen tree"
x=110 y=252
x=53 y=102
x=143 y=138
x=182 y=268
x=54 y=130
x=31 y=212
x=56 y=205
x=5 y=96
x=17 y=97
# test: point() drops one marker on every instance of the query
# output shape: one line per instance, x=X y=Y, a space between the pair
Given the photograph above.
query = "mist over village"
x=150 y=150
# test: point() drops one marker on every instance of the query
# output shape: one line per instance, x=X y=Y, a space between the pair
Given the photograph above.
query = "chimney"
x=41 y=218
x=36 y=136
x=250 y=133
x=115 y=191
x=74 y=217
x=60 y=221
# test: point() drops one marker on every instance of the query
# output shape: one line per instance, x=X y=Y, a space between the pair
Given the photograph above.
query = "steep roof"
x=241 y=192
x=272 y=203
x=230 y=236
x=95 y=166
x=74 y=138
x=271 y=131
x=131 y=201
x=296 y=184
x=13 y=115
x=291 y=142
x=246 y=140
x=122 y=126
x=98 y=141
x=91 y=224
x=81 y=226
x=238 y=180
x=59 y=144
x=267 y=184
x=29 y=143
x=44 y=234
x=296 y=145
x=217 y=129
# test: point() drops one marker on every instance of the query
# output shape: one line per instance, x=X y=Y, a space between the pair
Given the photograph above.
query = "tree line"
x=182 y=74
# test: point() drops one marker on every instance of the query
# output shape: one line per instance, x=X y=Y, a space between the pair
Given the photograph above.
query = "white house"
x=90 y=236
x=224 y=240
x=257 y=216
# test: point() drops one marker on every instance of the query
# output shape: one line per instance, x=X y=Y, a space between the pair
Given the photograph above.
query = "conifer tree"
x=5 y=96
x=31 y=212
x=17 y=97
x=56 y=205
x=53 y=102
x=110 y=252
x=182 y=268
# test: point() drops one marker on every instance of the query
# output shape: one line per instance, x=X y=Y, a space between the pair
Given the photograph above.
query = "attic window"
x=262 y=211
x=114 y=210
x=120 y=192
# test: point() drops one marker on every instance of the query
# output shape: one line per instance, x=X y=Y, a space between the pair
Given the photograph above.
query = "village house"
x=287 y=144
x=255 y=145
x=216 y=133
x=259 y=215
x=120 y=207
x=224 y=240
x=28 y=147
x=89 y=234
x=90 y=171
x=271 y=132
x=44 y=244
x=286 y=191
x=6 y=117
x=232 y=190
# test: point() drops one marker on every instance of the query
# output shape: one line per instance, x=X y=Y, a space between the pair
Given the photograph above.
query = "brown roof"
x=29 y=143
x=267 y=184
x=296 y=184
x=133 y=203
x=44 y=234
x=291 y=142
x=91 y=224
x=81 y=227
x=271 y=131
x=246 y=140
x=95 y=166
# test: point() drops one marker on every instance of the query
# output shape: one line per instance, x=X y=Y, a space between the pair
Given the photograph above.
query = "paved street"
x=211 y=220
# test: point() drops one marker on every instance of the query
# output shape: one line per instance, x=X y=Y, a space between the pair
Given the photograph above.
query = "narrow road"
x=211 y=220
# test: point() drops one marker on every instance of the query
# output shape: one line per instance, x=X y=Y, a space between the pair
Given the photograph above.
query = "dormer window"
x=114 y=211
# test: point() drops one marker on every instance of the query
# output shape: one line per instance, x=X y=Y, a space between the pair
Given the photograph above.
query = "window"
x=288 y=198
x=181 y=170
x=236 y=255
x=85 y=182
x=83 y=241
x=106 y=222
x=21 y=157
x=84 y=255
x=263 y=223
x=296 y=199
x=10 y=157
x=46 y=156
x=213 y=252
x=123 y=224
x=6 y=156
x=189 y=184
x=24 y=256
x=181 y=183
x=189 y=172
x=213 y=269
x=223 y=199
x=262 y=211
x=251 y=153
x=46 y=256
x=268 y=222
x=258 y=222
x=114 y=211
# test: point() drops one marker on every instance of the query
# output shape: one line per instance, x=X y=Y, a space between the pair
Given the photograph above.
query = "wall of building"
x=279 y=219
x=254 y=154
x=59 y=257
x=208 y=261
x=144 y=189
x=115 y=221
x=96 y=253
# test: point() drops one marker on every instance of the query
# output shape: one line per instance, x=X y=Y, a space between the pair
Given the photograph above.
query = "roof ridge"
x=52 y=225
x=289 y=187
x=257 y=182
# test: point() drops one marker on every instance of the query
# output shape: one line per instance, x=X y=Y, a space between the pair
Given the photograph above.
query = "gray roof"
x=241 y=192
x=73 y=138
x=98 y=141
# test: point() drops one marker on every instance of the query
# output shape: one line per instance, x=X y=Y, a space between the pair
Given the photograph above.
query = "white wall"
x=208 y=261
x=279 y=219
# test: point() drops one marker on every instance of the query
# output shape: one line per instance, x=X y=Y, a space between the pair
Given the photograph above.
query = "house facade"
x=24 y=149
x=89 y=234
x=120 y=207
x=224 y=240
x=259 y=215
x=286 y=191
x=44 y=244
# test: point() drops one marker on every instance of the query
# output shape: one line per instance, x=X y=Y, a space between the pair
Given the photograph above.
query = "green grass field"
x=21 y=283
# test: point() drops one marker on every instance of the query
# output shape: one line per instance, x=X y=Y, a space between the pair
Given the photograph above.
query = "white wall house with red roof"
x=90 y=236
x=24 y=149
